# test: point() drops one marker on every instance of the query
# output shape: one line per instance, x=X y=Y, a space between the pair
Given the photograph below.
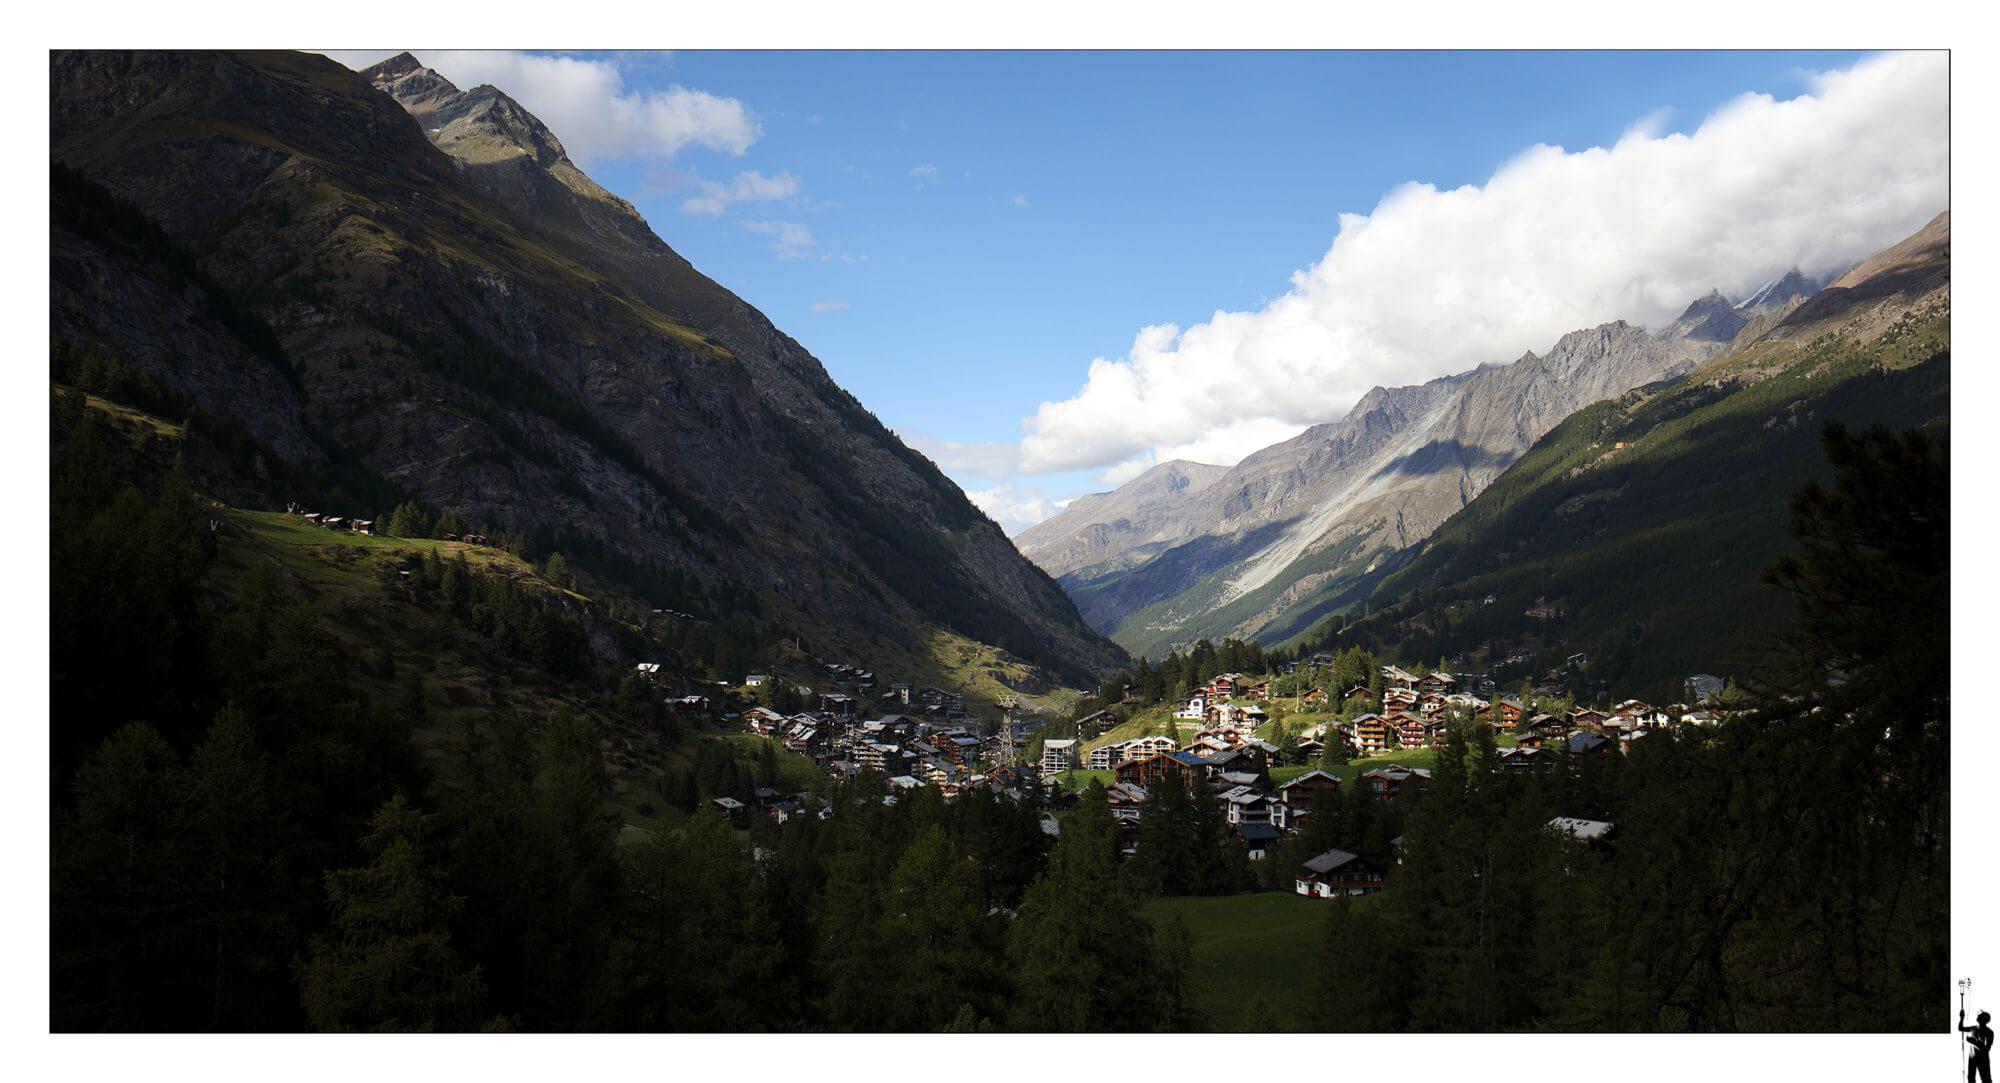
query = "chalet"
x=1260 y=690
x=838 y=705
x=1430 y=704
x=1298 y=795
x=1591 y=746
x=1465 y=701
x=1587 y=719
x=763 y=721
x=1548 y=725
x=1396 y=677
x=1632 y=710
x=958 y=747
x=1371 y=734
x=647 y=670
x=1409 y=731
x=362 y=526
x=1627 y=739
x=1316 y=696
x=689 y=705
x=1194 y=708
x=1125 y=798
x=1399 y=699
x=934 y=771
x=756 y=680
x=1359 y=694
x=1251 y=716
x=1524 y=758
x=878 y=755
x=1225 y=685
x=1232 y=759
x=1245 y=805
x=1389 y=783
x=1094 y=723
x=1552 y=683
x=1258 y=839
x=1440 y=684
x=731 y=809
x=1192 y=769
x=803 y=738
x=939 y=702
x=1337 y=872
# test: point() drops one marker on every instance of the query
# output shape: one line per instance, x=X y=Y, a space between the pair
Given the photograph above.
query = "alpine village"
x=467 y=616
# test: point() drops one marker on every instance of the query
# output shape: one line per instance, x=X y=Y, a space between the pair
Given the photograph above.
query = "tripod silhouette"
x=1978 y=1067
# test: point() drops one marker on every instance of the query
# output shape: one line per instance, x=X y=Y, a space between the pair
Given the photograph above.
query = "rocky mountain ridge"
x=1310 y=524
x=460 y=314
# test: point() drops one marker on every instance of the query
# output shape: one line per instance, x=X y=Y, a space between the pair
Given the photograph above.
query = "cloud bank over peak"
x=1435 y=281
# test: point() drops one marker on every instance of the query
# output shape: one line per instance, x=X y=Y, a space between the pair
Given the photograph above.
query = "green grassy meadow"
x=1248 y=944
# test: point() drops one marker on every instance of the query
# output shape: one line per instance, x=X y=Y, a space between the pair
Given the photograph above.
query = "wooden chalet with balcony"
x=1392 y=781
x=1441 y=684
x=1337 y=872
x=1397 y=677
x=1147 y=772
x=1371 y=734
x=1298 y=795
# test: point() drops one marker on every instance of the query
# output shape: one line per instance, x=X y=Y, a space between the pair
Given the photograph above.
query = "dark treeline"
x=1787 y=870
x=243 y=840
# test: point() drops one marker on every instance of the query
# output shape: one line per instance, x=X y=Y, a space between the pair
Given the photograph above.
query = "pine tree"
x=1082 y=955
x=388 y=963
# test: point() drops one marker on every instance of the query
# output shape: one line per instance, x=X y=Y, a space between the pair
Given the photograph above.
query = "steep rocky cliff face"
x=1122 y=528
x=460 y=311
x=1306 y=526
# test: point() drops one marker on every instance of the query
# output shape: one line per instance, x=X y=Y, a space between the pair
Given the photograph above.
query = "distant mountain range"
x=1641 y=524
x=410 y=290
x=1267 y=547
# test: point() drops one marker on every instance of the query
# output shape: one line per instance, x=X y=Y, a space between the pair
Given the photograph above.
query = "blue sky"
x=962 y=237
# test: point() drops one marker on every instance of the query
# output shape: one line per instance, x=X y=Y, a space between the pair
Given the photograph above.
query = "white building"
x=1058 y=756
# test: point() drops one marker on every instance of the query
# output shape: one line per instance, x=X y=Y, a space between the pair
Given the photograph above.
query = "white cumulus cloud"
x=747 y=187
x=925 y=175
x=991 y=460
x=790 y=240
x=1014 y=508
x=828 y=306
x=589 y=107
x=1433 y=281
